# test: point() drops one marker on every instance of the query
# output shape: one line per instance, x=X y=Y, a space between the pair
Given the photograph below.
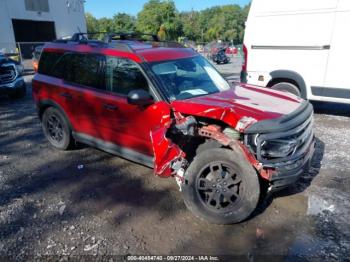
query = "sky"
x=107 y=8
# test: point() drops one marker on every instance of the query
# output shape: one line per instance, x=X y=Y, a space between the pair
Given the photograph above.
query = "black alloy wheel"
x=219 y=186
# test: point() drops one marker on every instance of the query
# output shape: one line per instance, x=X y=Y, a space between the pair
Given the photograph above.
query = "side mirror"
x=140 y=97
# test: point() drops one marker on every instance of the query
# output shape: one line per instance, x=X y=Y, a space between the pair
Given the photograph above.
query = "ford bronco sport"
x=165 y=106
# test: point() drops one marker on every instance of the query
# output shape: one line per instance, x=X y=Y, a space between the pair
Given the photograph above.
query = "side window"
x=47 y=61
x=124 y=75
x=63 y=67
x=83 y=69
x=88 y=70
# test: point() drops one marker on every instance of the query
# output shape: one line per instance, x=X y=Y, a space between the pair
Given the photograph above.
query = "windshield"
x=189 y=77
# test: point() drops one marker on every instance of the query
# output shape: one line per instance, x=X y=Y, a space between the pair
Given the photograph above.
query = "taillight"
x=245 y=62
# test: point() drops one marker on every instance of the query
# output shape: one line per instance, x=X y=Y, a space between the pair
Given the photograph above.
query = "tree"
x=92 y=23
x=161 y=17
x=162 y=33
x=124 y=23
x=105 y=25
x=223 y=22
x=191 y=25
x=156 y=13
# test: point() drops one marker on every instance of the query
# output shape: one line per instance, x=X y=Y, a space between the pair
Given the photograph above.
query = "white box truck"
x=299 y=46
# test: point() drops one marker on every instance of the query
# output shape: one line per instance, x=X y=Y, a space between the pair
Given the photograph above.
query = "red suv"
x=166 y=107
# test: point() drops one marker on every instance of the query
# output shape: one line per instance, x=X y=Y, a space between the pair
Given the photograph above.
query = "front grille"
x=300 y=137
x=7 y=73
x=284 y=140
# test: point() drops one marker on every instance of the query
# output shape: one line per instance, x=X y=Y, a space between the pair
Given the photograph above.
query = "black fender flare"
x=43 y=104
x=288 y=74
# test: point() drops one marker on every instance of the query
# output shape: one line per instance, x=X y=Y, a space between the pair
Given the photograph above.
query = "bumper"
x=288 y=173
x=12 y=87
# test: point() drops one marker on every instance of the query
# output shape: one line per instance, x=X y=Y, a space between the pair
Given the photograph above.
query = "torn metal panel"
x=215 y=132
x=165 y=152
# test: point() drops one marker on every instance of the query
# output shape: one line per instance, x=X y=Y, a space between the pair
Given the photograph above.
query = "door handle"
x=66 y=95
x=110 y=107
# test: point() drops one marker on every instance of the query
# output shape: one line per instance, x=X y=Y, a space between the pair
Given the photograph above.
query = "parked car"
x=213 y=50
x=231 y=50
x=11 y=80
x=169 y=109
x=220 y=57
x=300 y=47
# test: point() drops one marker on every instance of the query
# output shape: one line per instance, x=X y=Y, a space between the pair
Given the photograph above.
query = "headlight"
x=244 y=123
x=278 y=148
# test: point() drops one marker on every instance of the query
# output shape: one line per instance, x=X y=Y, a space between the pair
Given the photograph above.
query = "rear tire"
x=56 y=129
x=221 y=186
x=287 y=87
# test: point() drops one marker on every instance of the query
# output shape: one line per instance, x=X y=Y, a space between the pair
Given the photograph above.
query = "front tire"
x=221 y=187
x=287 y=87
x=56 y=129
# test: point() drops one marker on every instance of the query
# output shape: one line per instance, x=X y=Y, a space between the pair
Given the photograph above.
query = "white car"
x=299 y=46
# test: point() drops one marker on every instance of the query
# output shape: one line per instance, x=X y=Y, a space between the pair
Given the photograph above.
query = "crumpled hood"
x=241 y=101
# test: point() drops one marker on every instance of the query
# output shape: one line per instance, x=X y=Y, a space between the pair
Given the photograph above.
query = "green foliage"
x=124 y=22
x=120 y=22
x=162 y=33
x=91 y=23
x=161 y=17
x=155 y=14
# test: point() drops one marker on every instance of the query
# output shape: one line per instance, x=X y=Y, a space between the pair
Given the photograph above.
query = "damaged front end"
x=172 y=144
x=279 y=149
x=285 y=145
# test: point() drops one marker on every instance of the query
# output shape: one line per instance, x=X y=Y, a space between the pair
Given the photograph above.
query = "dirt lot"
x=86 y=202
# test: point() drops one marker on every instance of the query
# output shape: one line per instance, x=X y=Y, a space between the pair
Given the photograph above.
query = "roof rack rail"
x=82 y=38
x=79 y=37
x=118 y=38
x=135 y=36
x=129 y=36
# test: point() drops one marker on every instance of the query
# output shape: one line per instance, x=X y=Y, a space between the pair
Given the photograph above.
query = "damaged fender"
x=214 y=132
x=164 y=150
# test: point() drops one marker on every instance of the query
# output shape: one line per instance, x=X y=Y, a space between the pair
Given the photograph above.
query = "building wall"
x=7 y=37
x=68 y=16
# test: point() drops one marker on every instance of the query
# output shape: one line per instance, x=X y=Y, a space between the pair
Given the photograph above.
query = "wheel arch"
x=290 y=77
x=45 y=104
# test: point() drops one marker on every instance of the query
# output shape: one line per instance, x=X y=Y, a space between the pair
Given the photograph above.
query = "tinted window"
x=83 y=69
x=124 y=75
x=47 y=61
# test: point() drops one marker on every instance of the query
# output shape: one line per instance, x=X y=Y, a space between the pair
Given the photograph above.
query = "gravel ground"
x=87 y=202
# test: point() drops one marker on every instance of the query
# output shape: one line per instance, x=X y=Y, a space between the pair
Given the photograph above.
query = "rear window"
x=47 y=62
x=82 y=69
